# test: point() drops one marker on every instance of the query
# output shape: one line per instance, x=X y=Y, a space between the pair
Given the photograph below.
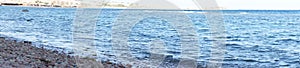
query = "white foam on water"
x=33 y=37
x=244 y=13
x=52 y=43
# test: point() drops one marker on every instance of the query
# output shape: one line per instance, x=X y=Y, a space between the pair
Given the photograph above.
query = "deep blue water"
x=254 y=38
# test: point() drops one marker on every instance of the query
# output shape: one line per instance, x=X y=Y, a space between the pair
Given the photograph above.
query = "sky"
x=239 y=4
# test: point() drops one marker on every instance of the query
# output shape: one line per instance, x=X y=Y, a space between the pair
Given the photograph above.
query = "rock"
x=128 y=65
x=94 y=55
x=2 y=38
x=25 y=10
x=27 y=42
x=18 y=55
x=71 y=53
x=29 y=20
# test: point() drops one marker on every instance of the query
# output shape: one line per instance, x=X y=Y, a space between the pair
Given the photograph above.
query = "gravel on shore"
x=15 y=54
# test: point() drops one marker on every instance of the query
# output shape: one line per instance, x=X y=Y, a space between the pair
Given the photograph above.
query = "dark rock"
x=27 y=42
x=25 y=10
x=2 y=38
x=29 y=20
x=18 y=55
x=71 y=53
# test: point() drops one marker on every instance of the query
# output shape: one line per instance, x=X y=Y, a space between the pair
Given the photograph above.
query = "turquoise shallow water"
x=254 y=38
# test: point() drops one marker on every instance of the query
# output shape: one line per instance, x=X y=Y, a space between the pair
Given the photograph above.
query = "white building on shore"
x=66 y=3
x=46 y=3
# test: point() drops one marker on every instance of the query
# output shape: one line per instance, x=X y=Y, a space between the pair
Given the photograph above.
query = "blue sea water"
x=254 y=38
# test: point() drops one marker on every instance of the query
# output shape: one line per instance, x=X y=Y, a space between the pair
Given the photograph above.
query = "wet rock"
x=94 y=55
x=2 y=38
x=29 y=20
x=25 y=10
x=27 y=42
x=128 y=65
x=71 y=53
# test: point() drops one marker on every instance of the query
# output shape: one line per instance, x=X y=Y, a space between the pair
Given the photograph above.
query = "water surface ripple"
x=253 y=38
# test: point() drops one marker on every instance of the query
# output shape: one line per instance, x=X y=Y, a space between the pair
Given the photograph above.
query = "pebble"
x=12 y=55
x=71 y=53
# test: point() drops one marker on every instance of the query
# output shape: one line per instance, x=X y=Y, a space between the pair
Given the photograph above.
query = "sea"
x=249 y=38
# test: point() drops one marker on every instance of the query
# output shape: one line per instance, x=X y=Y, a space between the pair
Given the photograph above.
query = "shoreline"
x=42 y=56
x=15 y=53
x=128 y=8
x=125 y=8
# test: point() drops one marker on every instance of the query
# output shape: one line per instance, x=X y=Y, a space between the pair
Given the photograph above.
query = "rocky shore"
x=16 y=54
